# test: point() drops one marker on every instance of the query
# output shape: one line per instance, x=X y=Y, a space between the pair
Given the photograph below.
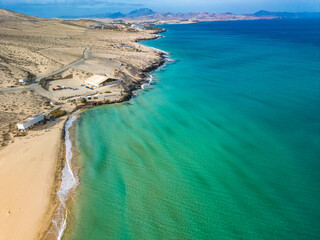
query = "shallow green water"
x=224 y=145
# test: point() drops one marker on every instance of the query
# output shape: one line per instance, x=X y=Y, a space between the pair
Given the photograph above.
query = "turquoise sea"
x=224 y=145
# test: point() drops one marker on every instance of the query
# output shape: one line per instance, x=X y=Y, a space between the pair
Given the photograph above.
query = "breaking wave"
x=68 y=182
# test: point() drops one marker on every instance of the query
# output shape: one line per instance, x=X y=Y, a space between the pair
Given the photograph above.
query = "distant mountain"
x=169 y=16
x=263 y=13
x=102 y=15
x=140 y=12
x=199 y=15
x=149 y=15
x=116 y=15
x=146 y=14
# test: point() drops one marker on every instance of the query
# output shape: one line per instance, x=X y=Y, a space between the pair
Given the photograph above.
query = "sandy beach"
x=31 y=162
x=28 y=170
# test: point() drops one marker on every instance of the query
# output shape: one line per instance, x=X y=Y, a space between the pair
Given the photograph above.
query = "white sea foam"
x=68 y=182
x=149 y=79
x=168 y=60
x=68 y=179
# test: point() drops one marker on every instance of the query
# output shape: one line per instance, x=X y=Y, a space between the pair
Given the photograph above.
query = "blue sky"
x=57 y=8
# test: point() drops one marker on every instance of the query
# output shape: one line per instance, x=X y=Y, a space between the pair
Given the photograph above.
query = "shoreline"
x=30 y=181
x=55 y=203
x=54 y=162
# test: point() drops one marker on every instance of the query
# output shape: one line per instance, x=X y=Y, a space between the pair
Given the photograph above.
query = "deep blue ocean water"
x=224 y=145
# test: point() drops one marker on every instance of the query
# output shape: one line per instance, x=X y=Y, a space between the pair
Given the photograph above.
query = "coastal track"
x=37 y=87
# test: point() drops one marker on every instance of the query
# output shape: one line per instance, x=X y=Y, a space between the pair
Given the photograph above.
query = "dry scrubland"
x=31 y=47
x=14 y=107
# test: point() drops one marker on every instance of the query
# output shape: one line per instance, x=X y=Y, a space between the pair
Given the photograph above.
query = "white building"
x=96 y=81
x=23 y=80
x=25 y=124
x=138 y=26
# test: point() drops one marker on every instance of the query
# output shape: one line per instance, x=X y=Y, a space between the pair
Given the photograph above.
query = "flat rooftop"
x=96 y=79
x=30 y=118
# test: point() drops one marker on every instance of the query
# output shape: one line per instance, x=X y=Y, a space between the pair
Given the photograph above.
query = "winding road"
x=36 y=86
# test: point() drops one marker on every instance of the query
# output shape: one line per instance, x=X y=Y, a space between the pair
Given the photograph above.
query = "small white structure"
x=96 y=81
x=23 y=80
x=25 y=124
x=138 y=26
x=53 y=102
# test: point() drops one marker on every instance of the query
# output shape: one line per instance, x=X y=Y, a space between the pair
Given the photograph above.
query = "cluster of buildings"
x=118 y=25
x=127 y=47
x=95 y=81
x=138 y=26
x=35 y=119
x=96 y=97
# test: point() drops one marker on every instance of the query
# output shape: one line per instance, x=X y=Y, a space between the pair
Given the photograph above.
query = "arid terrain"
x=32 y=47
x=44 y=64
